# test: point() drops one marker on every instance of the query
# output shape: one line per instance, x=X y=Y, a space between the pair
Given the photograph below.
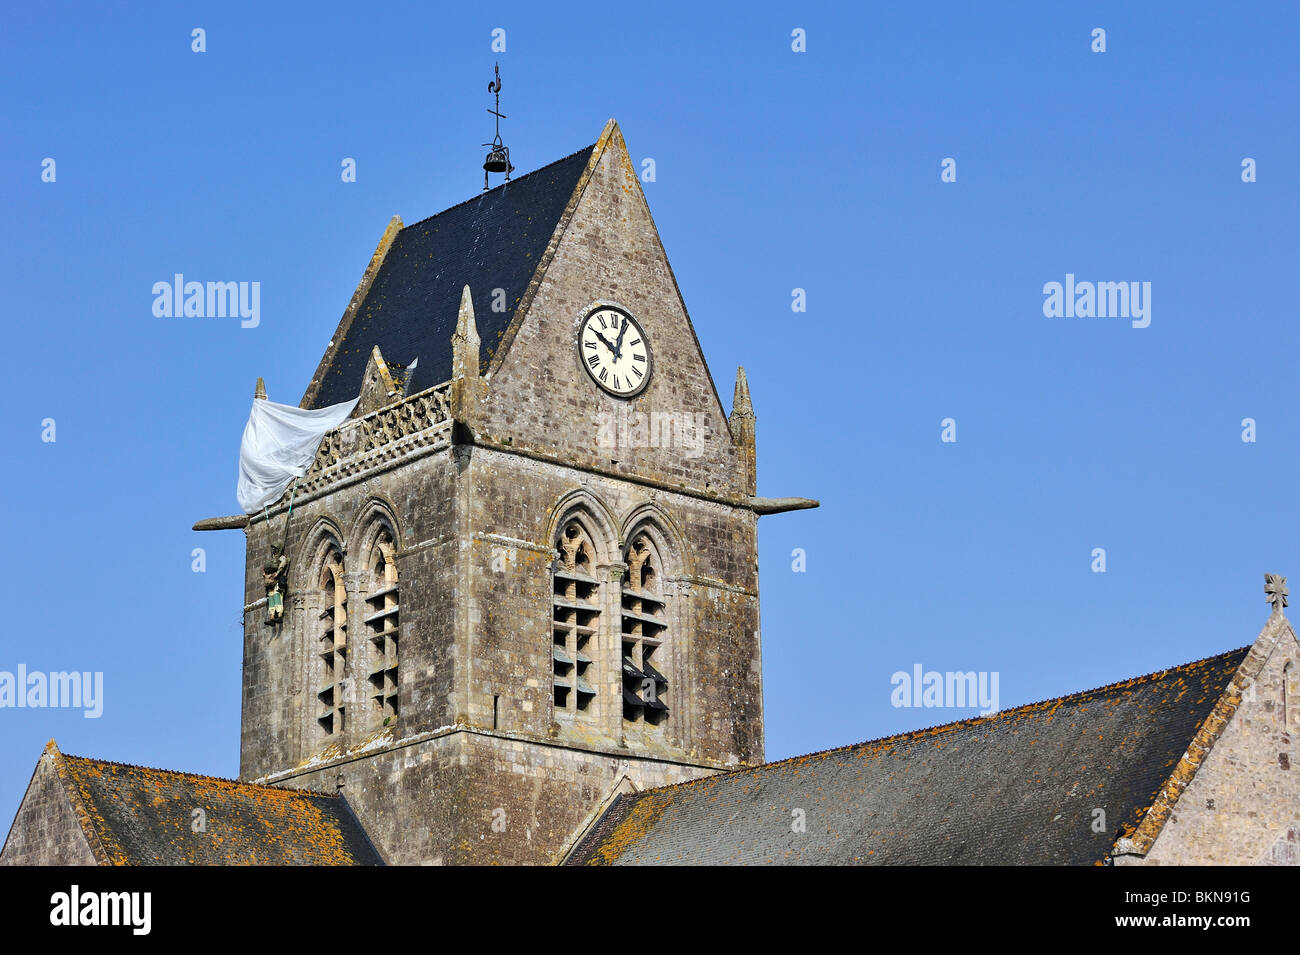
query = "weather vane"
x=498 y=160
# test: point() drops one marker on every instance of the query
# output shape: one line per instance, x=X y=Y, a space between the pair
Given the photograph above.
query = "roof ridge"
x=502 y=186
x=969 y=721
x=181 y=772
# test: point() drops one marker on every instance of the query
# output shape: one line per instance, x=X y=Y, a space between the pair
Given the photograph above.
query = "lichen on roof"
x=145 y=816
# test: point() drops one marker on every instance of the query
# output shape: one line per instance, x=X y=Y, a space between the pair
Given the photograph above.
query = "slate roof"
x=1016 y=787
x=493 y=241
x=144 y=817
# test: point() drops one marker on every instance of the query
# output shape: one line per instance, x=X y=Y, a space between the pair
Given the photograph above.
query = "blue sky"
x=775 y=170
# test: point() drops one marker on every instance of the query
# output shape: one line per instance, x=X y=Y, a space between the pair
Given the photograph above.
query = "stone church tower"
x=523 y=576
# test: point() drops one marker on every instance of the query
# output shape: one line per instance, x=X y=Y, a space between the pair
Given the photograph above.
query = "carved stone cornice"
x=379 y=439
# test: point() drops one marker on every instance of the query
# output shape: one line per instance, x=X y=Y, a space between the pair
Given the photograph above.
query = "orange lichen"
x=1156 y=815
x=238 y=816
x=639 y=821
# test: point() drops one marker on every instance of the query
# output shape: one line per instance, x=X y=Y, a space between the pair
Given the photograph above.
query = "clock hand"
x=618 y=345
x=605 y=341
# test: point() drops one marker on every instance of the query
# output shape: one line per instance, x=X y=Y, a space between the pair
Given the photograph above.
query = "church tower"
x=523 y=575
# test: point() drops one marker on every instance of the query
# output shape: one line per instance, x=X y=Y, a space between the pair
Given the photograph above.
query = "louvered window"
x=382 y=619
x=644 y=630
x=332 y=646
x=575 y=615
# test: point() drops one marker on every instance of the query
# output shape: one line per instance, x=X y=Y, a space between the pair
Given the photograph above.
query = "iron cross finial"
x=1275 y=591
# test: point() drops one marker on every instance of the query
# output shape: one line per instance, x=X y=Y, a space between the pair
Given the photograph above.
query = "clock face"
x=613 y=348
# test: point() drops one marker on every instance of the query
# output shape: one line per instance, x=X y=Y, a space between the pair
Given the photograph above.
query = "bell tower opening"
x=575 y=621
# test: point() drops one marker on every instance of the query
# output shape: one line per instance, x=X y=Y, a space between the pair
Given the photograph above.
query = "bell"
x=496 y=161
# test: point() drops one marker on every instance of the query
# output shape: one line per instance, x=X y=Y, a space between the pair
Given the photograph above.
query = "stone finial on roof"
x=740 y=402
x=742 y=424
x=465 y=340
x=378 y=388
x=1275 y=591
x=466 y=382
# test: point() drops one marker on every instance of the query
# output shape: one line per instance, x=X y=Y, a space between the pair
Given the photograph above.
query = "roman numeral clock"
x=613 y=347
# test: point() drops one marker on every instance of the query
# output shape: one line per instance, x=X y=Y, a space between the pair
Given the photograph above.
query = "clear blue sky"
x=775 y=170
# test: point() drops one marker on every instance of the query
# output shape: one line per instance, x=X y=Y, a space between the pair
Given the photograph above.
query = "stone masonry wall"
x=1243 y=805
x=46 y=831
x=477 y=798
x=711 y=654
x=281 y=664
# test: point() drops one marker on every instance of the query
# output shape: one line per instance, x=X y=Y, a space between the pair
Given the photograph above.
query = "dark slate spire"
x=492 y=243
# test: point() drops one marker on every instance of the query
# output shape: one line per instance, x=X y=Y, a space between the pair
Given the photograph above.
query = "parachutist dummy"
x=275 y=578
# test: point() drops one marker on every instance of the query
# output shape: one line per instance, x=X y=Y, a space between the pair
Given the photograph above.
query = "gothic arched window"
x=645 y=627
x=575 y=613
x=382 y=625
x=332 y=643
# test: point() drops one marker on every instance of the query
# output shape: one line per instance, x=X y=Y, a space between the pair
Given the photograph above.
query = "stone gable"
x=1238 y=797
x=538 y=398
